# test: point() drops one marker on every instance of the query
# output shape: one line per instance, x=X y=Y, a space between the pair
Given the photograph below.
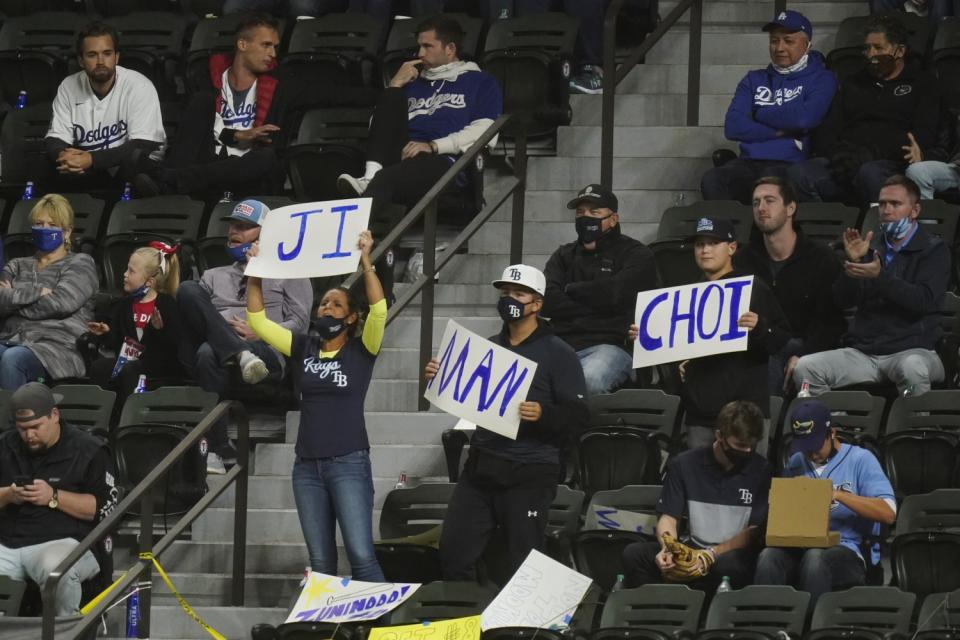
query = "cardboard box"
x=800 y=513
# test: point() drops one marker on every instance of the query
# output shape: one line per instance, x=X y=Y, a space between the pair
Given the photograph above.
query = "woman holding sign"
x=332 y=366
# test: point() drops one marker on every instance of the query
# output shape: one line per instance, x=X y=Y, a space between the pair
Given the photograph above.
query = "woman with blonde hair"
x=46 y=301
x=143 y=329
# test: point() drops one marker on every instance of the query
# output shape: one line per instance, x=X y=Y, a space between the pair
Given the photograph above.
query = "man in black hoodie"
x=592 y=287
x=711 y=382
x=882 y=117
x=799 y=271
x=506 y=482
x=897 y=284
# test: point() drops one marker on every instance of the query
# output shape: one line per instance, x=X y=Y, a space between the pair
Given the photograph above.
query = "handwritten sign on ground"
x=328 y=598
x=542 y=593
x=480 y=381
x=310 y=240
x=600 y=517
x=691 y=321
x=456 y=629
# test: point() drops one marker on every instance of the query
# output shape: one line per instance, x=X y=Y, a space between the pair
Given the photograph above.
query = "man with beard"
x=883 y=118
x=799 y=271
x=105 y=117
x=56 y=482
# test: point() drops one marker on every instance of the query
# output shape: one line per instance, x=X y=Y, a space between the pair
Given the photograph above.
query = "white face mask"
x=798 y=66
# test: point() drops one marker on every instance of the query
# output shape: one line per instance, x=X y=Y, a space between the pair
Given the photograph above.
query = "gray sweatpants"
x=913 y=369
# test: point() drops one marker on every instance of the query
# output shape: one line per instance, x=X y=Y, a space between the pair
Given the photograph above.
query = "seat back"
x=34 y=50
x=597 y=554
x=638 y=498
x=11 y=593
x=759 y=607
x=665 y=607
x=826 y=221
x=443 y=600
x=329 y=142
x=182 y=406
x=946 y=59
x=413 y=510
x=139 y=448
x=614 y=457
x=883 y=609
x=523 y=633
x=648 y=409
x=922 y=460
x=679 y=223
x=563 y=519
x=938 y=510
x=86 y=406
x=5 y=418
x=936 y=409
x=940 y=610
x=926 y=562
x=22 y=143
x=176 y=217
x=339 y=49
x=675 y=262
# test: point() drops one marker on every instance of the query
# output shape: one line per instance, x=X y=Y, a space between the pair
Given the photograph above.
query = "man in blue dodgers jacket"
x=774 y=110
x=862 y=498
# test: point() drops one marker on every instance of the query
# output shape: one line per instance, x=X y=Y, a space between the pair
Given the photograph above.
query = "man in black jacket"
x=896 y=282
x=512 y=483
x=882 y=118
x=592 y=287
x=799 y=271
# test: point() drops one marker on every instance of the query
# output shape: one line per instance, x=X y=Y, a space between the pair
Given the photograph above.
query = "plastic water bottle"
x=401 y=481
x=910 y=391
x=618 y=585
x=133 y=612
x=724 y=585
x=141 y=384
x=127 y=192
x=21 y=100
x=804 y=389
x=27 y=191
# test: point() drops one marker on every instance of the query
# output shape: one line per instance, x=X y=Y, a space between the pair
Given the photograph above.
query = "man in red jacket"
x=227 y=137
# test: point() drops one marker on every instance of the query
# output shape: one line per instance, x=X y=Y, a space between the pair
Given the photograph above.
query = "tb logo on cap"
x=515 y=274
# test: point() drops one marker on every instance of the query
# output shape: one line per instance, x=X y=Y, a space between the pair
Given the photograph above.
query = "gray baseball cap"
x=34 y=397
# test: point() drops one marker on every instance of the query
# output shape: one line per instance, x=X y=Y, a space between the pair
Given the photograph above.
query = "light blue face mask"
x=897 y=230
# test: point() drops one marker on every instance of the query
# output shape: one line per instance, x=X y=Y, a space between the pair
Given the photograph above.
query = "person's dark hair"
x=784 y=186
x=890 y=27
x=900 y=180
x=741 y=419
x=448 y=30
x=96 y=29
x=252 y=21
x=355 y=304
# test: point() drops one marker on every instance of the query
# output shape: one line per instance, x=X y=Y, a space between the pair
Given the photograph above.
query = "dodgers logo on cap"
x=782 y=16
x=704 y=224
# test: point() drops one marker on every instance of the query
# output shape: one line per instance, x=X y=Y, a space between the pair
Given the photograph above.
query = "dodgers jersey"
x=131 y=111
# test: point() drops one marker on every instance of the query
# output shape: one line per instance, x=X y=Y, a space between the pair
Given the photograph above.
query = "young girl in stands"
x=332 y=366
x=144 y=328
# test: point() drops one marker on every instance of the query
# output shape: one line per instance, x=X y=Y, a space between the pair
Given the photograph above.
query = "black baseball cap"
x=720 y=228
x=34 y=397
x=597 y=195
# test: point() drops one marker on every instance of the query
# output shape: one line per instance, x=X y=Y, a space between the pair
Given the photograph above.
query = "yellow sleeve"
x=280 y=338
x=374 y=326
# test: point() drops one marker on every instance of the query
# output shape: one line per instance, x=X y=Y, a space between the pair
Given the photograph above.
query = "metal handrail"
x=147 y=493
x=426 y=208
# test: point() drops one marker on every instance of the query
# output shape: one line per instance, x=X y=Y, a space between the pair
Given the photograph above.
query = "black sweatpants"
x=640 y=567
x=475 y=510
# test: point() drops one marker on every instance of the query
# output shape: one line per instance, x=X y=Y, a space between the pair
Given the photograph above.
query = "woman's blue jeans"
x=337 y=490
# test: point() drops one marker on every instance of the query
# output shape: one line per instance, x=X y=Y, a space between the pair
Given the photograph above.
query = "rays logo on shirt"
x=100 y=136
x=324 y=369
x=767 y=97
x=429 y=106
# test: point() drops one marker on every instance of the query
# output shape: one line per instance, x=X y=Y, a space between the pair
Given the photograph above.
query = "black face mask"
x=881 y=66
x=739 y=459
x=590 y=229
x=509 y=309
x=328 y=328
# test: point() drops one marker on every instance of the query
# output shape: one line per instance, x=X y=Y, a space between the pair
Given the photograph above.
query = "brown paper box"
x=800 y=513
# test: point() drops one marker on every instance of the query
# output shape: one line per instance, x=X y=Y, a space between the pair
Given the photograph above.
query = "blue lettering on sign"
x=648 y=342
x=677 y=317
x=290 y=255
x=604 y=519
x=736 y=292
x=700 y=309
x=342 y=210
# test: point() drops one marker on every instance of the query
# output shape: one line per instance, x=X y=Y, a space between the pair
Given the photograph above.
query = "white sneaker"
x=253 y=370
x=349 y=186
x=215 y=464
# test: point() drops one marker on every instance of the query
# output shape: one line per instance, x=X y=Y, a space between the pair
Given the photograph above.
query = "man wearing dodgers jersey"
x=862 y=498
x=105 y=117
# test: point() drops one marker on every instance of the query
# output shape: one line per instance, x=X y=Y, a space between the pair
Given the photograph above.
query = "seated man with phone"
x=56 y=482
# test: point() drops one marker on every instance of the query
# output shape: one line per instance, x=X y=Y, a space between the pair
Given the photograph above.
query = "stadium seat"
x=24 y=150
x=87 y=215
x=826 y=221
x=636 y=498
x=670 y=608
x=736 y=634
x=529 y=57
x=918 y=461
x=125 y=7
x=765 y=608
x=211 y=35
x=926 y=562
x=134 y=223
x=846 y=57
x=34 y=53
x=675 y=262
x=11 y=593
x=5 y=419
x=152 y=44
x=936 y=409
x=87 y=406
x=613 y=457
x=523 y=633
x=940 y=611
x=858 y=419
x=946 y=59
x=312 y=631
x=328 y=143
x=26 y=7
x=210 y=249
x=679 y=223
x=935 y=511
x=882 y=610
x=453 y=441
x=338 y=50
x=414 y=514
x=402 y=42
x=443 y=601
x=180 y=406
x=203 y=7
x=597 y=554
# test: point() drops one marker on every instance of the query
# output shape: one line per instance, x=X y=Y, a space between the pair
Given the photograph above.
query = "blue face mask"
x=239 y=252
x=897 y=230
x=46 y=239
x=139 y=292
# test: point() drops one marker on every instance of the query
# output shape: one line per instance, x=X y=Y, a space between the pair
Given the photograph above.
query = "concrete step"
x=214 y=589
x=485 y=267
x=725 y=46
x=628 y=173
x=387 y=461
x=168 y=622
x=264 y=526
x=643 y=142
x=392 y=427
x=546 y=236
x=654 y=79
x=656 y=110
x=200 y=556
x=404 y=332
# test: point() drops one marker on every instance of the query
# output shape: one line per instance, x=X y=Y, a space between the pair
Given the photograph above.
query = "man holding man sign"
x=510 y=481
x=722 y=331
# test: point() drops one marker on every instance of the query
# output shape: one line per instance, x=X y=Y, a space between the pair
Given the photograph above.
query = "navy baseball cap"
x=249 y=211
x=719 y=228
x=791 y=21
x=810 y=426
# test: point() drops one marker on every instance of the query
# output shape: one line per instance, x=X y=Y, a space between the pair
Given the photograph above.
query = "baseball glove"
x=688 y=563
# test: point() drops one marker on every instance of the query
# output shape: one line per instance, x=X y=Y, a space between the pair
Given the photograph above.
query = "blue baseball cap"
x=810 y=426
x=249 y=211
x=792 y=21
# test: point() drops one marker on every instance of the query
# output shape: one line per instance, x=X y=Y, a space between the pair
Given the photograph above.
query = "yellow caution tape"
x=103 y=594
x=183 y=603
